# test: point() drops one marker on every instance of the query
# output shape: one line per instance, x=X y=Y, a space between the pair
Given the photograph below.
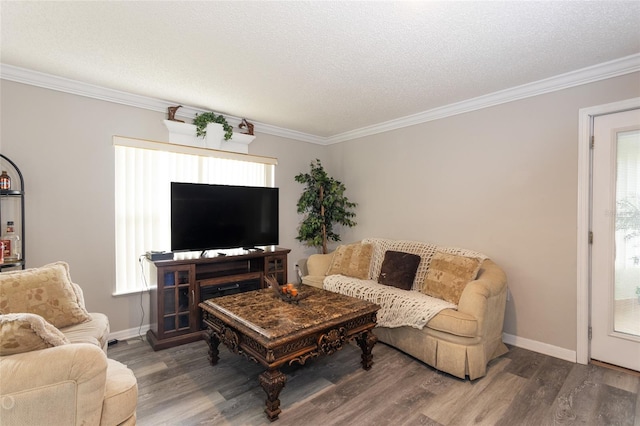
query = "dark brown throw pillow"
x=399 y=269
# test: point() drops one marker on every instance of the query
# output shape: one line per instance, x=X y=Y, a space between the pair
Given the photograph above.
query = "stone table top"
x=272 y=318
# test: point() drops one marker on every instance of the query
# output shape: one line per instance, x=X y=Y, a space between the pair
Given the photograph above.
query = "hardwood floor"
x=177 y=386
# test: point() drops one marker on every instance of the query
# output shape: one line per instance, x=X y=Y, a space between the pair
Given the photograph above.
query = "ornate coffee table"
x=272 y=332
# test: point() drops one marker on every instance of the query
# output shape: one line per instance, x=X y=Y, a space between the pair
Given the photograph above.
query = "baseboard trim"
x=543 y=348
x=510 y=339
x=129 y=333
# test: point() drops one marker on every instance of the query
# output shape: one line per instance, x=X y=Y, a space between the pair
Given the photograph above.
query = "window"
x=143 y=173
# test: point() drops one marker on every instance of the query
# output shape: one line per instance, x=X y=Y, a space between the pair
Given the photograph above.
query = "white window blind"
x=144 y=171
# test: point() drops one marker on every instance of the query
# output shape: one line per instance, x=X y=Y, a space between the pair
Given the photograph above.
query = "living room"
x=501 y=179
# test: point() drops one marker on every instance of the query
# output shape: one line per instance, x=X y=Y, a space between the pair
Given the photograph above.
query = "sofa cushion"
x=352 y=260
x=399 y=269
x=46 y=291
x=449 y=274
x=454 y=322
x=313 y=280
x=27 y=332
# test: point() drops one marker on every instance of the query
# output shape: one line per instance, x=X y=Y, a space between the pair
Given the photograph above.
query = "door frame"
x=583 y=301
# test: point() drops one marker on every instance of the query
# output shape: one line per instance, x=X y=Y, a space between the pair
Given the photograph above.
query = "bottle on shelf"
x=5 y=180
x=12 y=249
x=1 y=252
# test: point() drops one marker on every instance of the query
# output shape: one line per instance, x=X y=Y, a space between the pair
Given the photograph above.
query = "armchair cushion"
x=27 y=332
x=120 y=395
x=46 y=291
x=95 y=331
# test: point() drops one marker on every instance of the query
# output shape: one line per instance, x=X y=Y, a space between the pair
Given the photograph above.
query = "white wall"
x=501 y=180
x=294 y=157
x=63 y=146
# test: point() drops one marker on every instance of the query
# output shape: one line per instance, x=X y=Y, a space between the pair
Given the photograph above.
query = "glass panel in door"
x=626 y=305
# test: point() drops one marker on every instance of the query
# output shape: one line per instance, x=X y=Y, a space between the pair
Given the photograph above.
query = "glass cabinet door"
x=177 y=300
x=276 y=266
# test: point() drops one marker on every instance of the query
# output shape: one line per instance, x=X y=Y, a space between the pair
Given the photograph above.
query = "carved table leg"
x=366 y=340
x=212 y=340
x=272 y=381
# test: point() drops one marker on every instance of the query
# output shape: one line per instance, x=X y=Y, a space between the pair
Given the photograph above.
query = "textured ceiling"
x=321 y=68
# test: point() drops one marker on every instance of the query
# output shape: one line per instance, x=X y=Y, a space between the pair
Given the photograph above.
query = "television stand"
x=179 y=285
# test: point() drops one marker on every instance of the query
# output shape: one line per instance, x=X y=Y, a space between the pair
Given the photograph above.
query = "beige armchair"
x=54 y=368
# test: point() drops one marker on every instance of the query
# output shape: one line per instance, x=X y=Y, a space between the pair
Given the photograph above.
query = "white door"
x=615 y=260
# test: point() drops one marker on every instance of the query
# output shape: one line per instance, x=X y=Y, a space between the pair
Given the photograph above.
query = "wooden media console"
x=178 y=286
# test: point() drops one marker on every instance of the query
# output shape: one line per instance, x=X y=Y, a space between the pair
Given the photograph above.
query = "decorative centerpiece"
x=288 y=292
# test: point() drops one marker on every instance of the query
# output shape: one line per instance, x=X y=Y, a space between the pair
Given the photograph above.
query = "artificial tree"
x=324 y=204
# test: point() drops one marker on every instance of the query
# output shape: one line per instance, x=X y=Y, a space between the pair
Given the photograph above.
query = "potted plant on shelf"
x=324 y=204
x=202 y=120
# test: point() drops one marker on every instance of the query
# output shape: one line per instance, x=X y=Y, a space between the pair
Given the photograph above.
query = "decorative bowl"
x=288 y=292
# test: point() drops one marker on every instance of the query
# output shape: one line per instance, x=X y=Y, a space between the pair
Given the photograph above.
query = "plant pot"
x=215 y=135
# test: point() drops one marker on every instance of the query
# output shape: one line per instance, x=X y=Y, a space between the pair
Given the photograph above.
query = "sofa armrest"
x=59 y=385
x=485 y=298
x=318 y=264
x=302 y=267
x=315 y=268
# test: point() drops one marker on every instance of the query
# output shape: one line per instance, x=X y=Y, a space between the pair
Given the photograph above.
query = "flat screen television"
x=206 y=217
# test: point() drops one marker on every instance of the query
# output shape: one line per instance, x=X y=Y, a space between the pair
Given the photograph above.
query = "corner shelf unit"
x=12 y=208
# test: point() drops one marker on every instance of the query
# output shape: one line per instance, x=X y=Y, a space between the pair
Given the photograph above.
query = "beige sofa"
x=52 y=375
x=459 y=340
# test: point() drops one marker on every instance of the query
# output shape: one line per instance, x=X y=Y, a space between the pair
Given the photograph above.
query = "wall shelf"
x=185 y=134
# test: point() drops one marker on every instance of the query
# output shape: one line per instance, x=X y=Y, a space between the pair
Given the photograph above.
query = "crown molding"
x=618 y=67
x=615 y=68
x=62 y=84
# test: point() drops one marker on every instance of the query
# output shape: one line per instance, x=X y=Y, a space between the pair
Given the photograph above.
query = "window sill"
x=130 y=292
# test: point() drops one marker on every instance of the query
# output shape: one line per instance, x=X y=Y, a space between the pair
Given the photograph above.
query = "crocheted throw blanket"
x=397 y=307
